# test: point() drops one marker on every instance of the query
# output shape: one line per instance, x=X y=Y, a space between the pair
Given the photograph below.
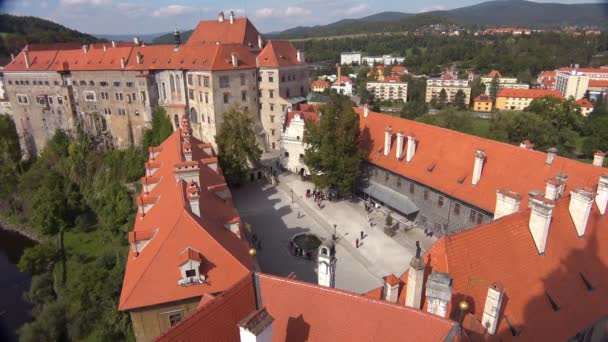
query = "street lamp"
x=333 y=236
x=292 y=196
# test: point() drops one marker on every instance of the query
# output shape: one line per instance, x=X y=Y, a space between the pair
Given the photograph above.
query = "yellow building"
x=482 y=103
x=519 y=99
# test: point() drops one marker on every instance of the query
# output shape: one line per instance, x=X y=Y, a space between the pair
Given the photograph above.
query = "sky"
x=156 y=16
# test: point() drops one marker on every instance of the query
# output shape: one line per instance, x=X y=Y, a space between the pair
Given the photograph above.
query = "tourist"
x=362 y=235
x=357 y=243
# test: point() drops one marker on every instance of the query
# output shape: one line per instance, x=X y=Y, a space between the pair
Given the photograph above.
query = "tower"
x=326 y=264
x=177 y=38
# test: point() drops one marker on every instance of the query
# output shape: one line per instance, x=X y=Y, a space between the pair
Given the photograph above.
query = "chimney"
x=136 y=41
x=12 y=57
x=491 y=310
x=365 y=110
x=194 y=195
x=526 y=144
x=388 y=135
x=177 y=37
x=84 y=48
x=260 y=42
x=105 y=48
x=480 y=156
x=235 y=60
x=256 y=327
x=438 y=293
x=122 y=62
x=231 y=17
x=540 y=220
x=553 y=189
x=562 y=178
x=415 y=279
x=581 y=201
x=551 y=154
x=598 y=158
x=399 y=153
x=113 y=44
x=300 y=56
x=139 y=57
x=187 y=149
x=26 y=58
x=326 y=264
x=411 y=147
x=390 y=290
x=220 y=17
x=507 y=203
x=601 y=198
x=339 y=74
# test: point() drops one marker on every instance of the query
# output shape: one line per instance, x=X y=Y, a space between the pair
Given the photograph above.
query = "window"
x=103 y=83
x=472 y=215
x=386 y=176
x=59 y=100
x=440 y=201
x=22 y=99
x=191 y=94
x=200 y=96
x=272 y=119
x=83 y=82
x=273 y=146
x=301 y=156
x=272 y=132
x=376 y=172
x=398 y=182
x=243 y=79
x=260 y=78
x=479 y=218
x=164 y=91
x=116 y=83
x=10 y=82
x=128 y=98
x=457 y=209
x=224 y=82
x=50 y=99
x=142 y=95
x=206 y=81
x=287 y=93
x=34 y=82
x=206 y=97
x=286 y=154
x=91 y=83
x=41 y=100
x=89 y=96
x=190 y=273
x=199 y=79
x=175 y=317
x=243 y=96
x=271 y=94
x=226 y=97
x=426 y=194
x=282 y=78
x=270 y=77
x=271 y=107
x=190 y=81
x=130 y=84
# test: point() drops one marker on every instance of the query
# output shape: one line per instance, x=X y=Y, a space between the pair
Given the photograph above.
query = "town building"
x=546 y=80
x=451 y=85
x=343 y=85
x=572 y=84
x=503 y=82
x=2 y=86
x=446 y=181
x=519 y=99
x=598 y=88
x=319 y=86
x=292 y=139
x=350 y=58
x=398 y=70
x=586 y=107
x=532 y=274
x=482 y=103
x=384 y=60
x=391 y=89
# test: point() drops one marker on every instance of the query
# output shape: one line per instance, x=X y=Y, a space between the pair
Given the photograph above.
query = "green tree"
x=50 y=324
x=10 y=160
x=161 y=129
x=494 y=87
x=459 y=100
x=412 y=110
x=50 y=212
x=477 y=88
x=332 y=152
x=443 y=99
x=38 y=259
x=238 y=150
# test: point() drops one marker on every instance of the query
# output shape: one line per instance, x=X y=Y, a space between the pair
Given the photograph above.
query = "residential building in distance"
x=350 y=58
x=343 y=85
x=586 y=107
x=597 y=88
x=572 y=84
x=319 y=86
x=519 y=99
x=2 y=86
x=384 y=60
x=546 y=80
x=398 y=70
x=292 y=139
x=391 y=89
x=451 y=86
x=503 y=82
x=482 y=103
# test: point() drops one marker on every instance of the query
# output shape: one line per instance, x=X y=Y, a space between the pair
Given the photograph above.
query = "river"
x=14 y=310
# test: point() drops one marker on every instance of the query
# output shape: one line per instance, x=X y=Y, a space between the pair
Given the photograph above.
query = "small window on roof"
x=554 y=305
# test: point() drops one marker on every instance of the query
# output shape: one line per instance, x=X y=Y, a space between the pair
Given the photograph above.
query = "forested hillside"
x=16 y=32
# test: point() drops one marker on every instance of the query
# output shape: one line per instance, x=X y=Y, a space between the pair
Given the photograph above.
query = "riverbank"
x=21 y=229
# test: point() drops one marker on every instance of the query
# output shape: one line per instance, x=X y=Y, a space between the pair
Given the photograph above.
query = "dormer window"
x=189 y=266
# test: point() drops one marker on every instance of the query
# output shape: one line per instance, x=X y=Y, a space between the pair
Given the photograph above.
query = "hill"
x=168 y=37
x=17 y=31
x=149 y=37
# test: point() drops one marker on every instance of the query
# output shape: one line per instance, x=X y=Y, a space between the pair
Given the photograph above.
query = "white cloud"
x=237 y=11
x=357 y=9
x=291 y=11
x=85 y=2
x=274 y=12
x=172 y=10
x=265 y=12
x=432 y=8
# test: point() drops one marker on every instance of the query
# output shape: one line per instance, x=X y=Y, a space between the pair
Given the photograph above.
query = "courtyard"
x=277 y=213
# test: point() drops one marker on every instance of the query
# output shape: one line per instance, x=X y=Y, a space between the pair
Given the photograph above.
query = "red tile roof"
x=319 y=83
x=278 y=53
x=152 y=276
x=343 y=79
x=598 y=83
x=528 y=93
x=505 y=166
x=305 y=112
x=586 y=70
x=210 y=32
x=584 y=103
x=392 y=79
x=398 y=69
x=483 y=98
x=494 y=73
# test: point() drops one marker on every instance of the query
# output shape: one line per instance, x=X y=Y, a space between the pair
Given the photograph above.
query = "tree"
x=332 y=152
x=238 y=150
x=587 y=95
x=10 y=158
x=443 y=99
x=38 y=259
x=494 y=87
x=161 y=129
x=459 y=100
x=412 y=110
x=477 y=88
x=50 y=324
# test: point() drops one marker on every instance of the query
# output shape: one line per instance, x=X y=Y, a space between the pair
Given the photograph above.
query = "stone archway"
x=193 y=116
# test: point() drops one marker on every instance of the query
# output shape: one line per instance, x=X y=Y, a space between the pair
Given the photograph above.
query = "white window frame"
x=22 y=96
x=87 y=96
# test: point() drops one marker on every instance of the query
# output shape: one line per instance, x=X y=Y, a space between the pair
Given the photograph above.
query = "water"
x=14 y=310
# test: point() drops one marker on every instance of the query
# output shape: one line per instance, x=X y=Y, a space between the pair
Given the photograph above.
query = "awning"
x=389 y=196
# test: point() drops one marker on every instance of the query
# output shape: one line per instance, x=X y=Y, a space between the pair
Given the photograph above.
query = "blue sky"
x=153 y=16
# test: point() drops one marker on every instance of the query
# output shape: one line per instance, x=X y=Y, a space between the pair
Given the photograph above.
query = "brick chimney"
x=540 y=220
x=220 y=17
x=480 y=156
x=388 y=136
x=365 y=110
x=400 y=139
x=551 y=154
x=235 y=60
x=491 y=310
x=194 y=195
x=563 y=178
x=411 y=147
x=26 y=58
x=231 y=17
x=256 y=327
x=390 y=290
x=438 y=293
x=553 y=189
x=507 y=203
x=581 y=201
x=84 y=48
x=598 y=158
x=601 y=198
x=415 y=279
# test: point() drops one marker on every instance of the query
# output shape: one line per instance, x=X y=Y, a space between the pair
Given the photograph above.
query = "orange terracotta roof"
x=210 y=32
x=598 y=83
x=392 y=79
x=278 y=53
x=152 y=276
x=398 y=69
x=306 y=114
x=528 y=93
x=483 y=98
x=586 y=70
x=505 y=166
x=380 y=67
x=391 y=280
x=189 y=254
x=494 y=73
x=319 y=83
x=551 y=73
x=584 y=103
x=343 y=79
